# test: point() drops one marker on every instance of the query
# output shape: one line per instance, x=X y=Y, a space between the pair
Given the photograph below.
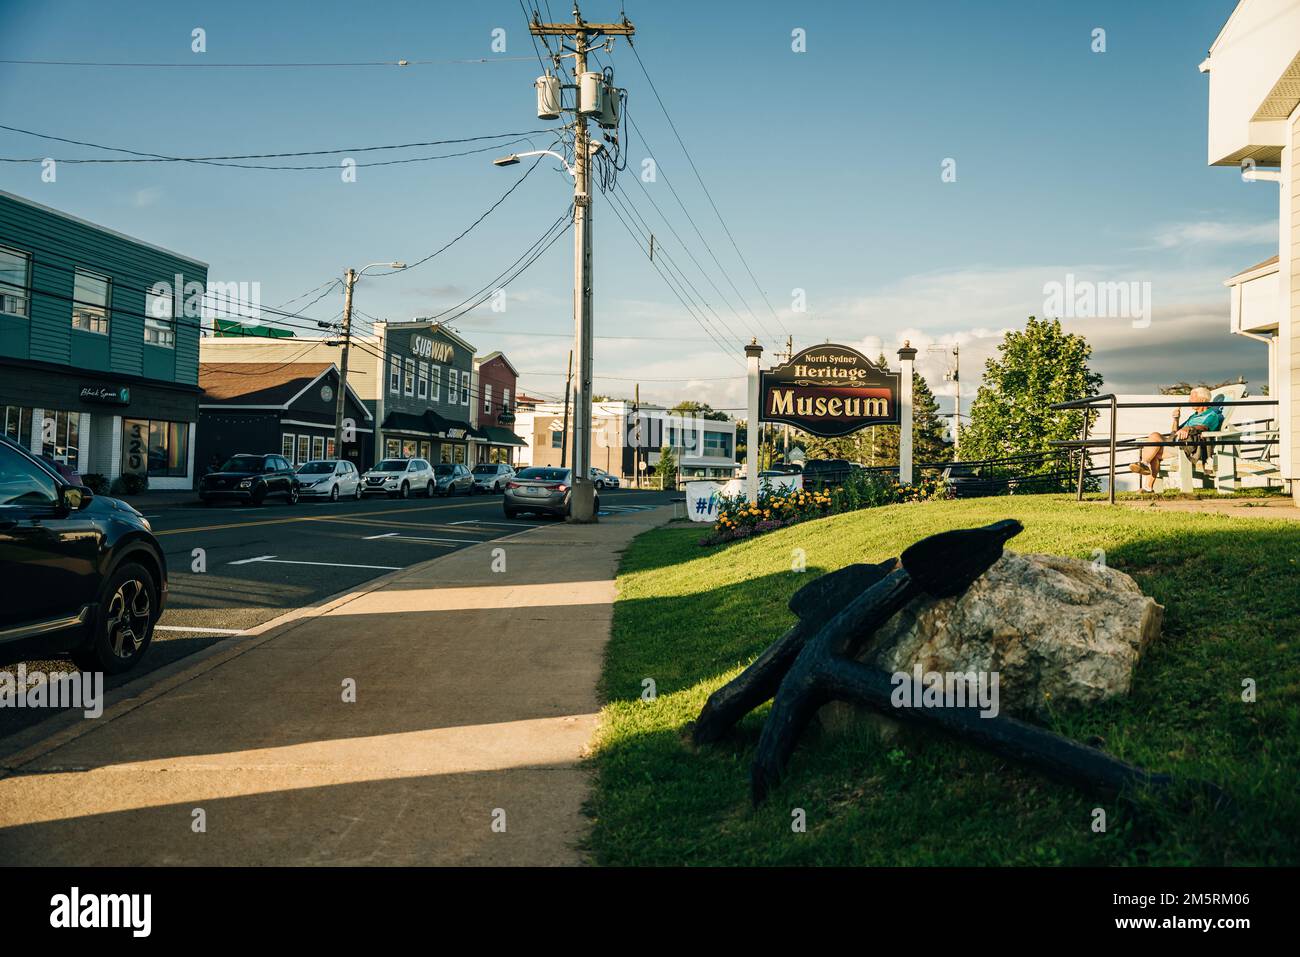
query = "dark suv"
x=250 y=478
x=83 y=574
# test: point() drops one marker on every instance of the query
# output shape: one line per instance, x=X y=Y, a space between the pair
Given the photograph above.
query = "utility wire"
x=199 y=64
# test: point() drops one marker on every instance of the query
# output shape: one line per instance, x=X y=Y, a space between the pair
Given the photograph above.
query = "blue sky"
x=825 y=165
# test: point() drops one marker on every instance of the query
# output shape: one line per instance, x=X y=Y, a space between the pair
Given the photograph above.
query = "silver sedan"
x=545 y=491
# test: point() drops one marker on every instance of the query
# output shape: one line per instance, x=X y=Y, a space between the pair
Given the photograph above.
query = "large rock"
x=1057 y=631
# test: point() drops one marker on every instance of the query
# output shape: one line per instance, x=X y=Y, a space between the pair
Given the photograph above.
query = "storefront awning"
x=496 y=435
x=429 y=424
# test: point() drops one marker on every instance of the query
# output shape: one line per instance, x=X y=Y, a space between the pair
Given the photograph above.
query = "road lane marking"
x=370 y=538
x=206 y=631
x=475 y=521
x=272 y=560
x=306 y=518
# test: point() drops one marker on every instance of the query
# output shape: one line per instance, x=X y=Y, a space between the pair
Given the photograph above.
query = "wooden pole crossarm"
x=574 y=29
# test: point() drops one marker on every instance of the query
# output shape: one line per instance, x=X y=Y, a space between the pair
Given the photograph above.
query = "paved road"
x=259 y=563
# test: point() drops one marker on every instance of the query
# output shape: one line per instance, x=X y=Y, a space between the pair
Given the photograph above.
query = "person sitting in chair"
x=1204 y=418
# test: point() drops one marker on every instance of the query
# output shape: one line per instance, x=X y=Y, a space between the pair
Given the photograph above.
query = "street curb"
x=59 y=729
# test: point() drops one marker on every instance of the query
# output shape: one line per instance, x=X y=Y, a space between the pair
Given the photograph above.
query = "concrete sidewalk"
x=475 y=698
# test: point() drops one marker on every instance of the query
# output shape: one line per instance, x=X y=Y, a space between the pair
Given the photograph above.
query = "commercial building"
x=706 y=448
x=261 y=408
x=494 y=409
x=99 y=352
x=427 y=392
x=1254 y=128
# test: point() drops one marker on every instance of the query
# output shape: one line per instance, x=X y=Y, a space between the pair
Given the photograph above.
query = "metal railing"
x=1113 y=443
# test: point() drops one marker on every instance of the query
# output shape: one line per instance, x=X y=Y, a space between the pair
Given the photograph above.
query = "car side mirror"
x=73 y=498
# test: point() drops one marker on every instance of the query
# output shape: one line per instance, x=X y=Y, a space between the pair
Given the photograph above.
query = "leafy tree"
x=1035 y=368
x=667 y=466
x=929 y=440
x=700 y=409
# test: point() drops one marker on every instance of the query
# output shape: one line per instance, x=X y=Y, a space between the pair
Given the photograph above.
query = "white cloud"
x=1210 y=233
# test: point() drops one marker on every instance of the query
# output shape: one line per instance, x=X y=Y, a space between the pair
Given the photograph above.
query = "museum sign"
x=830 y=391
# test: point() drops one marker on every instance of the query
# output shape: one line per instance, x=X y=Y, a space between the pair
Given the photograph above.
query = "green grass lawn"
x=691 y=618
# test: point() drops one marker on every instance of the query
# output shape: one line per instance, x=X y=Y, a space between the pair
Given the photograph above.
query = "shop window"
x=409 y=449
x=422 y=381
x=329 y=448
x=304 y=450
x=487 y=399
x=394 y=374
x=460 y=454
x=435 y=382
x=392 y=448
x=60 y=434
x=318 y=446
x=169 y=448
x=90 y=303
x=160 y=319
x=453 y=386
x=444 y=454
x=426 y=450
x=15 y=276
x=288 y=442
x=18 y=424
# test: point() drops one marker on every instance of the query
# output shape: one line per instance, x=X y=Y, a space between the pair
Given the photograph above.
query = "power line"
x=700 y=180
x=199 y=64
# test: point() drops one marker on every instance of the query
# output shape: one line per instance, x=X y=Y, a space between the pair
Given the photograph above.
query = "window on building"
x=444 y=453
x=410 y=448
x=487 y=399
x=169 y=448
x=17 y=424
x=453 y=385
x=304 y=450
x=392 y=448
x=435 y=382
x=460 y=454
x=422 y=381
x=15 y=281
x=160 y=320
x=395 y=374
x=90 y=302
x=329 y=448
x=288 y=442
x=60 y=436
x=318 y=446
x=408 y=379
x=557 y=440
x=717 y=443
x=505 y=400
x=464 y=387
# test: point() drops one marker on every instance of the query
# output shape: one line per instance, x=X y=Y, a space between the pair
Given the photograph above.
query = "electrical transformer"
x=591 y=93
x=608 y=115
x=548 y=97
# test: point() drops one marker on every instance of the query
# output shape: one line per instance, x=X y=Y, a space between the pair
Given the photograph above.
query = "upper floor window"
x=159 y=319
x=487 y=399
x=408 y=380
x=453 y=385
x=395 y=374
x=422 y=381
x=15 y=274
x=464 y=388
x=435 y=382
x=90 y=303
x=505 y=399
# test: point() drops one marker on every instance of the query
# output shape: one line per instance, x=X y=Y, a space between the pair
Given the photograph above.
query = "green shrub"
x=129 y=485
x=98 y=484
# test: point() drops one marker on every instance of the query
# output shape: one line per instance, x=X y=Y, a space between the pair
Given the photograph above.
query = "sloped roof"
x=257 y=383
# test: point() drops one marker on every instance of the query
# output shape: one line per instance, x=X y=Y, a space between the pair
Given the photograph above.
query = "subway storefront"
x=102 y=424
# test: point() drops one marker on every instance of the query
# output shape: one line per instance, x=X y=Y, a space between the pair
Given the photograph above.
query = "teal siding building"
x=99 y=345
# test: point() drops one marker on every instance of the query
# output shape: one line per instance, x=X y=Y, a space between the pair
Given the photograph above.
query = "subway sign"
x=829 y=391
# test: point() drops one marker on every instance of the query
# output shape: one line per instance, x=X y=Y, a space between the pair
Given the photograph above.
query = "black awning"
x=497 y=435
x=406 y=422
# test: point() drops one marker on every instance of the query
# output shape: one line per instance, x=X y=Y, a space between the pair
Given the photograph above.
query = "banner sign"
x=107 y=394
x=829 y=391
x=703 y=498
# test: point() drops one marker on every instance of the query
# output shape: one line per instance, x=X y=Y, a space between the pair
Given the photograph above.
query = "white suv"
x=400 y=477
x=602 y=479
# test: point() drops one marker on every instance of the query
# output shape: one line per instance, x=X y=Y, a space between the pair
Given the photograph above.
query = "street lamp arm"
x=515 y=157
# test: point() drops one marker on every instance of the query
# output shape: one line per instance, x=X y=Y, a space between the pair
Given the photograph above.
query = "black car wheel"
x=334 y=493
x=292 y=497
x=123 y=627
x=405 y=491
x=428 y=489
x=258 y=495
x=357 y=495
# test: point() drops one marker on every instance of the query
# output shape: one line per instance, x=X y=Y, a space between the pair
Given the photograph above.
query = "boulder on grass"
x=1057 y=631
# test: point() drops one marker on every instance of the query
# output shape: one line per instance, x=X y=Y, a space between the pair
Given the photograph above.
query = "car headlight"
x=246 y=483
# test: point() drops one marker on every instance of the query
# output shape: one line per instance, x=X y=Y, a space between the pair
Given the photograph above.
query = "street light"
x=351 y=278
x=513 y=159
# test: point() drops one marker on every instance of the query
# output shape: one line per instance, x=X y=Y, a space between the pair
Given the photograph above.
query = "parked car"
x=452 y=477
x=83 y=573
x=602 y=479
x=329 y=478
x=250 y=478
x=491 y=477
x=545 y=491
x=826 y=473
x=399 y=477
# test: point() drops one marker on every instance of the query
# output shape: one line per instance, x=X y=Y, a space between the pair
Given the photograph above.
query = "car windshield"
x=545 y=475
x=443 y=469
x=243 y=463
x=316 y=468
x=391 y=465
x=485 y=470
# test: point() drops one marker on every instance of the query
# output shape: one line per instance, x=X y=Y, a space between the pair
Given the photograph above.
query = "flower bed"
x=779 y=506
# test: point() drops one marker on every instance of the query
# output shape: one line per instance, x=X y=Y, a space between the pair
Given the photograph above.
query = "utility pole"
x=785 y=429
x=956 y=418
x=583 y=497
x=636 y=446
x=350 y=280
x=568 y=390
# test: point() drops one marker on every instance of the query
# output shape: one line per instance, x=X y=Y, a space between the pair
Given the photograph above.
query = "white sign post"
x=906 y=357
x=753 y=352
